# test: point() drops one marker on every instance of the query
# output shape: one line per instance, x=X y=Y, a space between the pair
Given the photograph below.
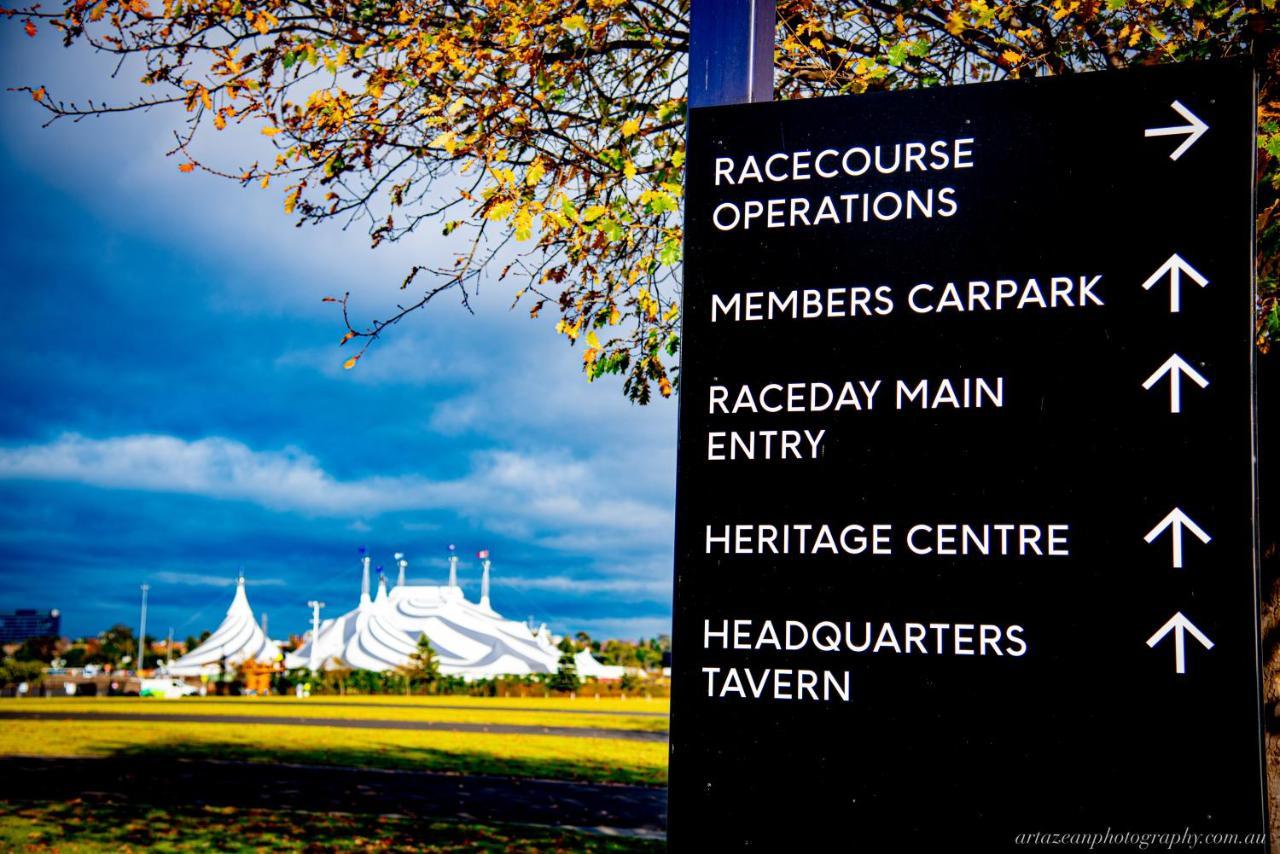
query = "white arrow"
x=1193 y=131
x=1174 y=268
x=1179 y=625
x=1178 y=520
x=1175 y=367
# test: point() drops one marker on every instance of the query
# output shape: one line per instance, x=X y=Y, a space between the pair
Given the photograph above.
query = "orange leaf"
x=31 y=29
x=351 y=363
x=346 y=338
x=186 y=167
x=38 y=95
x=329 y=299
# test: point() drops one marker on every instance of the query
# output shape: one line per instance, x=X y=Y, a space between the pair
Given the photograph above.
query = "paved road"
x=354 y=723
x=574 y=711
x=633 y=810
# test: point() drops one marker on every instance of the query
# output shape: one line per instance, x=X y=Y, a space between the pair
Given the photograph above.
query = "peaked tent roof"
x=237 y=639
x=470 y=639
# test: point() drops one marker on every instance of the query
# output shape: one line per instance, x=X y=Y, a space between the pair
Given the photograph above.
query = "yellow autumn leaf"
x=524 y=224
x=447 y=140
x=270 y=131
x=351 y=363
x=1011 y=56
x=630 y=127
x=629 y=169
x=535 y=173
x=592 y=340
x=574 y=23
x=500 y=211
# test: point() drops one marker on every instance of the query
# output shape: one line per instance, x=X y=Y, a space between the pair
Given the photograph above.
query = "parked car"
x=166 y=688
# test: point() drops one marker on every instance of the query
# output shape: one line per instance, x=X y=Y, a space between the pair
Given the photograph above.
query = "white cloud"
x=193 y=579
x=543 y=497
x=660 y=587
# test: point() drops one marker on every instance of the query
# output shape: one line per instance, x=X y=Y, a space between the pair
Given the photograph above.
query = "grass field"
x=520 y=755
x=556 y=757
x=98 y=825
x=587 y=712
x=78 y=827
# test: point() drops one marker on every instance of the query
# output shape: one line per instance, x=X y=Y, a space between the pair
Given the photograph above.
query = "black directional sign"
x=966 y=544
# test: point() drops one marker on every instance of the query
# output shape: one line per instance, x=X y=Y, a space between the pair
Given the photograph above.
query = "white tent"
x=238 y=639
x=470 y=639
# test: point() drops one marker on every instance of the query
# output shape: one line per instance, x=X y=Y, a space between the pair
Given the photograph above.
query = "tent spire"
x=364 y=581
x=453 y=566
x=403 y=564
x=484 y=582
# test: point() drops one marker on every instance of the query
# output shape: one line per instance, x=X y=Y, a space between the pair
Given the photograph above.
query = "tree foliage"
x=546 y=137
x=565 y=679
x=422 y=670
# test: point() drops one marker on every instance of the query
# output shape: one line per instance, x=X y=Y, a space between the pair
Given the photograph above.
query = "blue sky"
x=175 y=408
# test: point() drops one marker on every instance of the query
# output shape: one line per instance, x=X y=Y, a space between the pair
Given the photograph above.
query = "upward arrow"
x=1178 y=520
x=1180 y=626
x=1193 y=131
x=1175 y=367
x=1174 y=268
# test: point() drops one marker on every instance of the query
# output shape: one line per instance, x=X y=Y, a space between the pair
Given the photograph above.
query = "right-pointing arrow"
x=1192 y=131
x=1177 y=520
x=1175 y=366
x=1180 y=626
x=1174 y=268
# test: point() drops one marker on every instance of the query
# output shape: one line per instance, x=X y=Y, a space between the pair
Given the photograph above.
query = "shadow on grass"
x=81 y=825
x=400 y=758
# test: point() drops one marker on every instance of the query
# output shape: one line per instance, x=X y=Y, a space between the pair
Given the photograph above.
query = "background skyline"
x=176 y=407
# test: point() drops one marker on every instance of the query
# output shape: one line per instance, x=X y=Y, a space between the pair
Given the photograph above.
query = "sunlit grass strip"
x=583 y=702
x=294 y=708
x=557 y=757
x=81 y=827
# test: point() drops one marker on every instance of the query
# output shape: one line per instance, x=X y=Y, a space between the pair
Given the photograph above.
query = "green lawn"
x=79 y=827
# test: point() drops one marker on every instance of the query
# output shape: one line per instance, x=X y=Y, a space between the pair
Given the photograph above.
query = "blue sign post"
x=731 y=52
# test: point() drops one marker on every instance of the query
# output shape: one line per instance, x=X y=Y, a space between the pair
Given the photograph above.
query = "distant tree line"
x=116 y=648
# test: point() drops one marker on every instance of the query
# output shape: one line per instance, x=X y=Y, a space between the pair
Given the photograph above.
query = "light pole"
x=142 y=630
x=315 y=605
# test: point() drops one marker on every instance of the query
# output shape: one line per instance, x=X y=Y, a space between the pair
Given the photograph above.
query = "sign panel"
x=966 y=543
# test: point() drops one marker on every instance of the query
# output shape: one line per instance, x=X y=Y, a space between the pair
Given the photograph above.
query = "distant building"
x=26 y=623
